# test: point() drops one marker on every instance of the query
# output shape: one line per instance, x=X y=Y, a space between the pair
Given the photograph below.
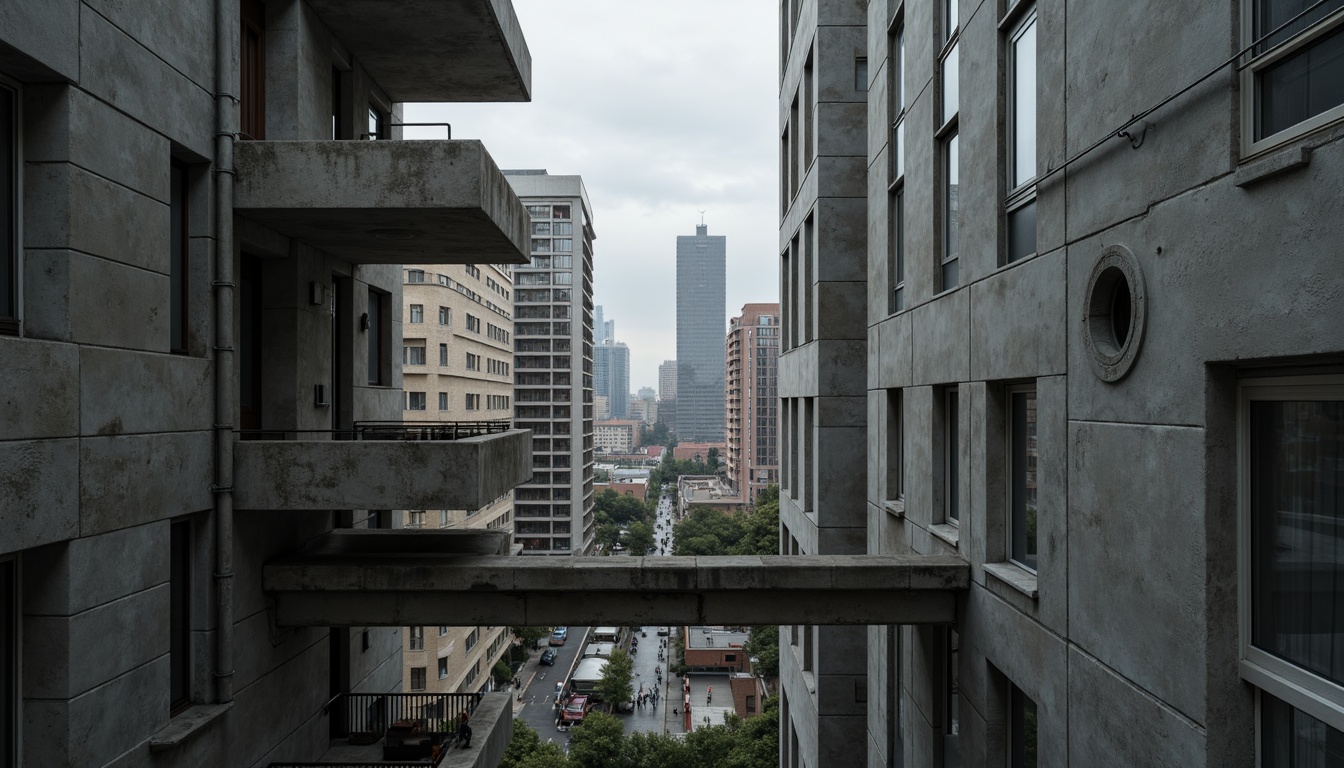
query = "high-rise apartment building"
x=701 y=316
x=200 y=322
x=611 y=363
x=667 y=380
x=752 y=397
x=1102 y=368
x=553 y=367
x=457 y=365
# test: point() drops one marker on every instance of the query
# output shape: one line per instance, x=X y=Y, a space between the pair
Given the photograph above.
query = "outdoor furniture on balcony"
x=388 y=465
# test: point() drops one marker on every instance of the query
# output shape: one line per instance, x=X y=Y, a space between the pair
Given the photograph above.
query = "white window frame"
x=416 y=313
x=1252 y=65
x=1278 y=677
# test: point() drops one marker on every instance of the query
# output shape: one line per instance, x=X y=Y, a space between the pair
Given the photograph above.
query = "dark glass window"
x=179 y=625
x=9 y=195
x=178 y=262
x=377 y=352
x=252 y=65
x=1022 y=483
x=1021 y=730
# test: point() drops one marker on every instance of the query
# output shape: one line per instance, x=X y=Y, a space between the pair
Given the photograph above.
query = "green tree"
x=763 y=646
x=656 y=749
x=599 y=742
x=501 y=673
x=606 y=535
x=756 y=739
x=529 y=636
x=712 y=461
x=617 y=683
x=526 y=750
x=760 y=528
x=639 y=539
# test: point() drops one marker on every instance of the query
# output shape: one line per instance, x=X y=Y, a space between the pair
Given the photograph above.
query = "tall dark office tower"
x=701 y=329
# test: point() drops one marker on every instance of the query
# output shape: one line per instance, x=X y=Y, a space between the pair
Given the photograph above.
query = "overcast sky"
x=665 y=110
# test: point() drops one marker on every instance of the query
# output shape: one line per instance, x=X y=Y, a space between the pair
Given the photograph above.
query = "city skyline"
x=716 y=136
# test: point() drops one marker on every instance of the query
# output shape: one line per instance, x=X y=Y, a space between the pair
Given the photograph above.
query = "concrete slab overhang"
x=380 y=474
x=380 y=578
x=385 y=202
x=435 y=50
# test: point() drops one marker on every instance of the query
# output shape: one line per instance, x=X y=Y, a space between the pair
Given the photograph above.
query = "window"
x=1291 y=511
x=951 y=444
x=417 y=313
x=951 y=213
x=9 y=664
x=473 y=324
x=561 y=212
x=896 y=268
x=374 y=330
x=443 y=631
x=415 y=275
x=951 y=697
x=539 y=211
x=443 y=354
x=1021 y=729
x=252 y=76
x=473 y=362
x=860 y=73
x=473 y=638
x=443 y=668
x=895 y=449
x=896 y=196
x=751 y=705
x=9 y=209
x=445 y=316
x=473 y=402
x=949 y=78
x=378 y=123
x=417 y=678
x=415 y=638
x=1021 y=139
x=443 y=401
x=413 y=354
x=1022 y=508
x=1294 y=81
x=179 y=620
x=177 y=258
x=415 y=401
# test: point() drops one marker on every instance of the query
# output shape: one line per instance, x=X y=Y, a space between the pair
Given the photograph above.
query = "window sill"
x=1274 y=164
x=947 y=532
x=186 y=725
x=895 y=507
x=1014 y=576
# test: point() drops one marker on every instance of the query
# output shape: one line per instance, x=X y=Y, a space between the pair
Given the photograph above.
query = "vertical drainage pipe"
x=227 y=20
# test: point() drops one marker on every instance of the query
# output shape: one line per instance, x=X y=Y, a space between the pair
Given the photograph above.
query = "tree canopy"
x=617 y=683
x=707 y=531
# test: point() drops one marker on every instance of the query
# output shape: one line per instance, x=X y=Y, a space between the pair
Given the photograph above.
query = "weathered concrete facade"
x=822 y=362
x=1063 y=408
x=150 y=328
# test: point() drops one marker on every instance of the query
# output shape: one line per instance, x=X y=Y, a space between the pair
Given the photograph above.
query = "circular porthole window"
x=1114 y=312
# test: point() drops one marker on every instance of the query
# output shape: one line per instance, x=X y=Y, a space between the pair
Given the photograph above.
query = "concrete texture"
x=436 y=50
x=335 y=474
x=385 y=202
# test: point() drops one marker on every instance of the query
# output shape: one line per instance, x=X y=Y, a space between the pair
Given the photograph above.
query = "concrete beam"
x=357 y=586
x=385 y=202
x=435 y=50
x=380 y=474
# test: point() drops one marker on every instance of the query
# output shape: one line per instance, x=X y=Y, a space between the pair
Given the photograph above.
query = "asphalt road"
x=535 y=704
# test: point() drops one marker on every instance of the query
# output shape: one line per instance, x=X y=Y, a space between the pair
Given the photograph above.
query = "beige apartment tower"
x=752 y=400
x=457 y=366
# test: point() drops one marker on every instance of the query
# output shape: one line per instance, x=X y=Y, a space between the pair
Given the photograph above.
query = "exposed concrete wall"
x=1125 y=636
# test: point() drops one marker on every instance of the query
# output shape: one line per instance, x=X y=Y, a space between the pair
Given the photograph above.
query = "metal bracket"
x=1135 y=138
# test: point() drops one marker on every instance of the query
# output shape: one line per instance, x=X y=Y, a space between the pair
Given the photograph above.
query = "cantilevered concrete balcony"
x=413 y=473
x=382 y=578
x=435 y=50
x=385 y=202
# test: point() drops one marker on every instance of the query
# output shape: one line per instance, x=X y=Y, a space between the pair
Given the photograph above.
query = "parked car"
x=575 y=710
x=662 y=631
x=559 y=636
x=548 y=657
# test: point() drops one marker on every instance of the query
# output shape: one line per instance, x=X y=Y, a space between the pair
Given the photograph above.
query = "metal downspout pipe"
x=226 y=119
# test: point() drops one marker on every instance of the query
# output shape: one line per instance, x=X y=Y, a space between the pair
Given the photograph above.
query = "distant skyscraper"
x=551 y=300
x=753 y=405
x=647 y=393
x=599 y=326
x=667 y=380
x=611 y=376
x=701 y=317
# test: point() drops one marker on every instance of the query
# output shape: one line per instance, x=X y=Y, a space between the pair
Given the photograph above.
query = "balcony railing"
x=428 y=430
